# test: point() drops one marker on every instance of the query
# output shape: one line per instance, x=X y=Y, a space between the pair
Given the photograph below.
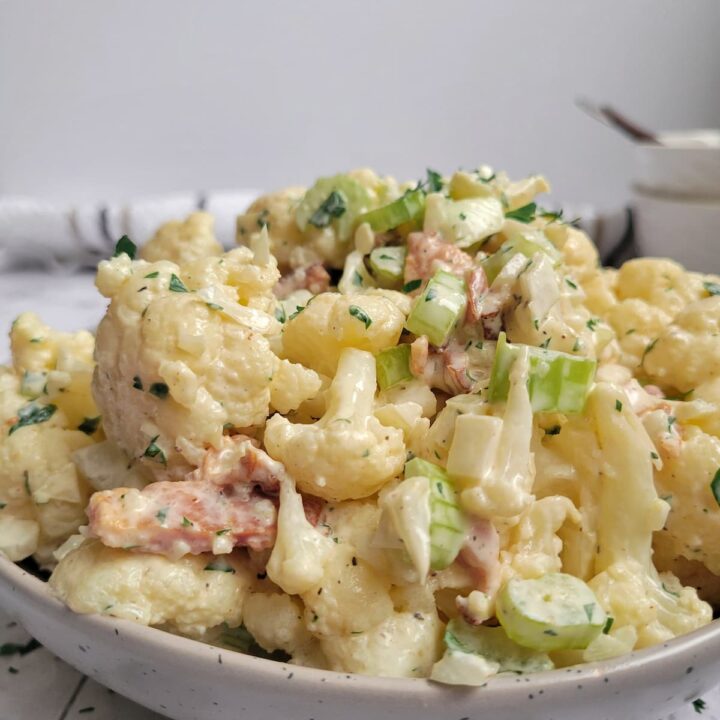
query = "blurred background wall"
x=112 y=99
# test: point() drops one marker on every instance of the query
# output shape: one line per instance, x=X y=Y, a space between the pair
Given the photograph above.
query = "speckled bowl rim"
x=15 y=580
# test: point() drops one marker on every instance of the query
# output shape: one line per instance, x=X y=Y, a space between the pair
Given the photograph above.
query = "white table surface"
x=44 y=687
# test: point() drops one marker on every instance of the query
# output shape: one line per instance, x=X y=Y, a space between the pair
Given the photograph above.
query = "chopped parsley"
x=125 y=246
x=357 y=277
x=298 y=310
x=648 y=349
x=280 y=314
x=358 y=313
x=462 y=216
x=137 y=383
x=571 y=284
x=219 y=566
x=618 y=405
x=654 y=455
x=214 y=306
x=592 y=323
x=152 y=275
x=608 y=624
x=176 y=284
x=434 y=181
x=26 y=483
x=32 y=414
x=333 y=206
x=89 y=425
x=220 y=533
x=159 y=390
x=186 y=522
x=699 y=705
x=715 y=486
x=524 y=214
x=161 y=515
x=411 y=285
x=155 y=451
x=712 y=288
x=550 y=215
x=262 y=221
x=536 y=324
x=576 y=345
x=554 y=430
x=544 y=344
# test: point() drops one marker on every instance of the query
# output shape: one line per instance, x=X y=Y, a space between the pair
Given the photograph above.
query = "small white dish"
x=187 y=680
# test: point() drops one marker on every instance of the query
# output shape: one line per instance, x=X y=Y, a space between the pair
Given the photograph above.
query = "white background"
x=111 y=99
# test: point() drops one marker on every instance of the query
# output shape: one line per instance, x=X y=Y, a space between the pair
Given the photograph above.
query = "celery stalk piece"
x=553 y=612
x=409 y=206
x=393 y=366
x=447 y=522
x=463 y=222
x=336 y=200
x=388 y=263
x=520 y=244
x=439 y=308
x=557 y=382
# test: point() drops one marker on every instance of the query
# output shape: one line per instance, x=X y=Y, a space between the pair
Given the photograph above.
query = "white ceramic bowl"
x=188 y=680
x=686 y=165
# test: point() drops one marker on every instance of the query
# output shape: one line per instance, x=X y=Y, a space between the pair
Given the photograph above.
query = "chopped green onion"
x=393 y=366
x=524 y=214
x=358 y=313
x=125 y=246
x=447 y=523
x=152 y=275
x=519 y=244
x=558 y=382
x=439 y=308
x=387 y=263
x=155 y=451
x=176 y=284
x=32 y=414
x=406 y=208
x=322 y=202
x=556 y=611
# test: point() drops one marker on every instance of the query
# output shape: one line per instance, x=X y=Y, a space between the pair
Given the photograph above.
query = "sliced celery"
x=557 y=382
x=336 y=200
x=387 y=264
x=439 y=308
x=447 y=523
x=463 y=222
x=406 y=208
x=393 y=366
x=493 y=644
x=553 y=612
x=519 y=244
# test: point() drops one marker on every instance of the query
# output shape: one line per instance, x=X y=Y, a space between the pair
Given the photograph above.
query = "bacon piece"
x=221 y=505
x=480 y=555
x=477 y=286
x=313 y=278
x=445 y=368
x=428 y=252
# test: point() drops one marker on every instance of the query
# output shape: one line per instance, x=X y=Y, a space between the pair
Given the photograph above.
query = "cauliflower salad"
x=403 y=429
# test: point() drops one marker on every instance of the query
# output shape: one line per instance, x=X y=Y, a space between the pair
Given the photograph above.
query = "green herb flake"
x=608 y=624
x=159 y=390
x=524 y=214
x=550 y=215
x=462 y=216
x=333 y=206
x=654 y=455
x=571 y=283
x=592 y=323
x=3 y=505
x=154 y=451
x=357 y=280
x=186 y=523
x=618 y=405
x=670 y=422
x=32 y=414
x=434 y=181
x=125 y=246
x=262 y=221
x=161 y=515
x=715 y=486
x=554 y=430
x=576 y=345
x=89 y=425
x=214 y=306
x=36 y=340
x=26 y=483
x=298 y=310
x=699 y=705
x=648 y=349
x=219 y=566
x=412 y=285
x=544 y=344
x=280 y=314
x=712 y=288
x=358 y=313
x=137 y=383
x=176 y=284
x=152 y=275
x=222 y=532
x=536 y=324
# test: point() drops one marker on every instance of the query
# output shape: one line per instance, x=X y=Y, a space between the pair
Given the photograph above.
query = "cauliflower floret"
x=276 y=622
x=182 y=241
x=55 y=365
x=693 y=524
x=179 y=356
x=332 y=322
x=188 y=596
x=348 y=453
x=292 y=385
x=627 y=584
x=405 y=644
x=663 y=283
x=687 y=352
